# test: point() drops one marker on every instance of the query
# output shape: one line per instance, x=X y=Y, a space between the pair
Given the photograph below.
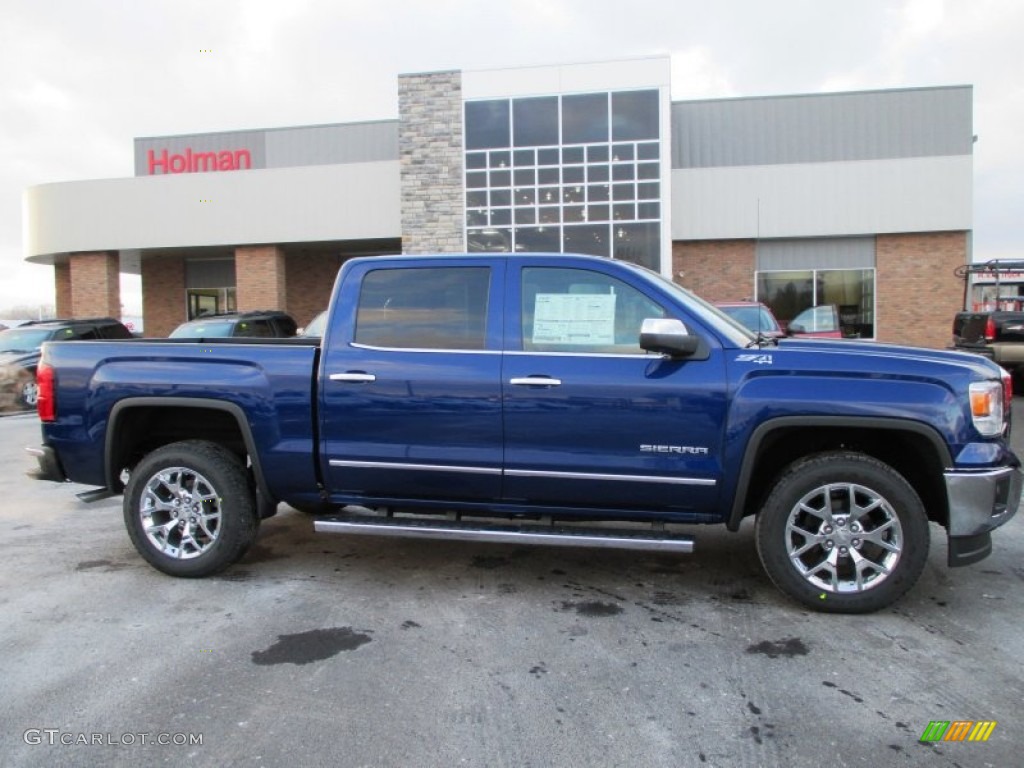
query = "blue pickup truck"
x=543 y=398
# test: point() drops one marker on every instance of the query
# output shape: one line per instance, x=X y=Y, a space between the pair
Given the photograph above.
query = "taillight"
x=990 y=329
x=46 y=405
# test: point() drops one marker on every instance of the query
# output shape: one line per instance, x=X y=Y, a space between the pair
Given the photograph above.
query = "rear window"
x=424 y=308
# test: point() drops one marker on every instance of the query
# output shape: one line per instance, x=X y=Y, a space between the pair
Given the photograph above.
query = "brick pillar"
x=310 y=281
x=260 y=277
x=716 y=270
x=95 y=284
x=62 y=285
x=918 y=294
x=163 y=294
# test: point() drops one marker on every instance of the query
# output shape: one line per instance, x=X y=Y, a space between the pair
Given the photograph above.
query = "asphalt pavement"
x=318 y=649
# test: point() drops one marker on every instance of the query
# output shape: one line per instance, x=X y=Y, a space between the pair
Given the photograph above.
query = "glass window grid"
x=556 y=202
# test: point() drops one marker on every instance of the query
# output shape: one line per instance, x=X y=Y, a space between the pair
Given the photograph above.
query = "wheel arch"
x=139 y=425
x=917 y=451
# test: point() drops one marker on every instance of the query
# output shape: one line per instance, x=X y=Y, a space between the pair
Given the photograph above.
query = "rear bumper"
x=49 y=465
x=979 y=502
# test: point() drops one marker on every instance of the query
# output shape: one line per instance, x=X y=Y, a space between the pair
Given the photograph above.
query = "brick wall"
x=260 y=277
x=430 y=153
x=163 y=294
x=918 y=294
x=716 y=270
x=62 y=289
x=95 y=281
x=310 y=278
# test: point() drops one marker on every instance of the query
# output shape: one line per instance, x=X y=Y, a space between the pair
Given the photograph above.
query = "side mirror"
x=667 y=336
x=795 y=328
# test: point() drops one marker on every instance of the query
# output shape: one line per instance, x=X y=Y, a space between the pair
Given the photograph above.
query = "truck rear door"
x=410 y=392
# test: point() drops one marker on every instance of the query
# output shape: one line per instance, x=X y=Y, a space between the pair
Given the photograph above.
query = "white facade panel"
x=568 y=78
x=281 y=205
x=923 y=194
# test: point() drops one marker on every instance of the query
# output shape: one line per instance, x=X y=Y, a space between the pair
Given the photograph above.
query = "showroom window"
x=850 y=291
x=574 y=173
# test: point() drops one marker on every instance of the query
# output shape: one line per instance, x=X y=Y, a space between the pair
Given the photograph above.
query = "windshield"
x=204 y=329
x=16 y=340
x=753 y=317
x=735 y=332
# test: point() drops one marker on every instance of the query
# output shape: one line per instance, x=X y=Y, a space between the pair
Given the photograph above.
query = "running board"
x=567 y=536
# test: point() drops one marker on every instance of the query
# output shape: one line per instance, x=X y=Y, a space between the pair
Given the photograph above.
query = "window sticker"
x=586 y=319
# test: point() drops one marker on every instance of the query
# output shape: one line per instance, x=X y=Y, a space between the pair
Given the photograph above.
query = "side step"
x=566 y=536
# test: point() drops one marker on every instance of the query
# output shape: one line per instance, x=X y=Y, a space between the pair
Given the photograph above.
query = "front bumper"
x=979 y=502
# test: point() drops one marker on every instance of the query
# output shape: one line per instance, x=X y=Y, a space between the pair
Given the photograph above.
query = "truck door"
x=590 y=418
x=410 y=398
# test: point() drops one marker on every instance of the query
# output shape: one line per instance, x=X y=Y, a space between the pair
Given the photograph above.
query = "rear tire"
x=842 y=532
x=27 y=391
x=189 y=509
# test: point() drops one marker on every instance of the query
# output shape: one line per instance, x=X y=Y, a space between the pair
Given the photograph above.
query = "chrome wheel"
x=843 y=538
x=30 y=393
x=180 y=512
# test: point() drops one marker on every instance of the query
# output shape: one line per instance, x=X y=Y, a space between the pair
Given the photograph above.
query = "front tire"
x=189 y=509
x=842 y=532
x=27 y=391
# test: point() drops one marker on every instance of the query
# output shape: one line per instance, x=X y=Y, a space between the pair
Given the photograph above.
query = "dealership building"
x=860 y=200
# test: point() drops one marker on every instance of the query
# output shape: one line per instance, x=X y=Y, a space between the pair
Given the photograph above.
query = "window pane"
x=547 y=175
x=597 y=212
x=648 y=190
x=597 y=173
x=852 y=292
x=647 y=171
x=787 y=294
x=549 y=215
x=432 y=308
x=634 y=115
x=539 y=239
x=501 y=217
x=622 y=152
x=526 y=216
x=624 y=192
x=487 y=124
x=598 y=154
x=585 y=118
x=524 y=176
x=476 y=217
x=547 y=157
x=526 y=196
x=624 y=212
x=501 y=197
x=524 y=157
x=476 y=160
x=623 y=172
x=476 y=198
x=489 y=240
x=476 y=179
x=535 y=121
x=648 y=211
x=572 y=155
x=649 y=151
x=573 y=214
x=638 y=243
x=577 y=310
x=548 y=195
x=501 y=178
x=597 y=193
x=573 y=194
x=592 y=240
x=500 y=159
x=572 y=175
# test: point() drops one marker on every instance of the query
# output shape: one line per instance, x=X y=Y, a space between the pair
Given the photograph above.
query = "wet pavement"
x=320 y=649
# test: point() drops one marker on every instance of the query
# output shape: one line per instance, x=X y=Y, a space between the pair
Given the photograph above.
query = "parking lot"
x=324 y=650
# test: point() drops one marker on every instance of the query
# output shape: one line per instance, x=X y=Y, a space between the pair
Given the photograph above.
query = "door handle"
x=535 y=381
x=357 y=378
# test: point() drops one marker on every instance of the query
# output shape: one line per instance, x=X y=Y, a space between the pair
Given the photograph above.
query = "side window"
x=254 y=328
x=85 y=333
x=577 y=310
x=114 y=331
x=65 y=334
x=424 y=308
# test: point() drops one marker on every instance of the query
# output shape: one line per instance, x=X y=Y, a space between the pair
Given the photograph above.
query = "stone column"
x=430 y=152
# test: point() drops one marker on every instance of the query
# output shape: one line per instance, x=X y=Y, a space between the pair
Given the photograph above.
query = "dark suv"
x=256 y=324
x=20 y=350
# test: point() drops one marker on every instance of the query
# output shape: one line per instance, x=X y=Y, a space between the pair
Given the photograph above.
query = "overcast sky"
x=79 y=79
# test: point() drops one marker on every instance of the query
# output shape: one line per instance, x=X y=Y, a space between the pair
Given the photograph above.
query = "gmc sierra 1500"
x=515 y=397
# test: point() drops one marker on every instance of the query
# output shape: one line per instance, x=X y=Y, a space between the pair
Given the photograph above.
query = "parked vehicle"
x=754 y=316
x=538 y=392
x=821 y=322
x=255 y=324
x=998 y=335
x=20 y=351
x=315 y=329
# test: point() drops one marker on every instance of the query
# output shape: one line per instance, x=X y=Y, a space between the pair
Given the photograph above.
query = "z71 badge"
x=754 y=358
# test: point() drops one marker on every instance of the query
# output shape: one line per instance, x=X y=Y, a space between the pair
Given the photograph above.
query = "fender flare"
x=127 y=404
x=762 y=431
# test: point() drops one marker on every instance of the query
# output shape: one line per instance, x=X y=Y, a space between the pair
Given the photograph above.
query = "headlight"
x=987 y=407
